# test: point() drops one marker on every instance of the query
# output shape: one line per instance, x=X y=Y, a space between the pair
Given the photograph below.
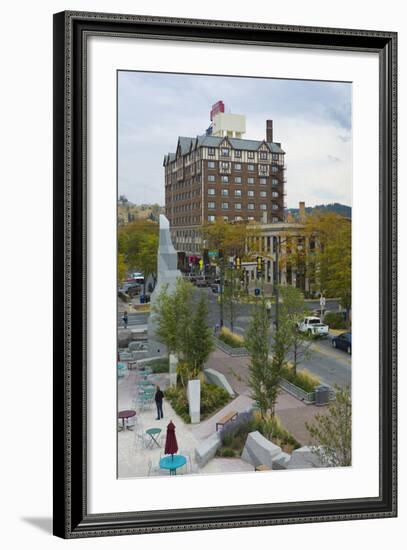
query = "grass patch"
x=230 y=338
x=303 y=378
x=213 y=398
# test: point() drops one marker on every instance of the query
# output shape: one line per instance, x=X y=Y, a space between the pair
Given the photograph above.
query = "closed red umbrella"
x=171 y=445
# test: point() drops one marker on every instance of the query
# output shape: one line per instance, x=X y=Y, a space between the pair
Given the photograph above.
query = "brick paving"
x=292 y=412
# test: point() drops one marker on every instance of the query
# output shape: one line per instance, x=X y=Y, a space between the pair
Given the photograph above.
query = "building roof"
x=186 y=143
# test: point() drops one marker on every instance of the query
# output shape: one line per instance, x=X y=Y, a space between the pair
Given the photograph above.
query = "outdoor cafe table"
x=124 y=415
x=172 y=462
x=145 y=383
x=152 y=432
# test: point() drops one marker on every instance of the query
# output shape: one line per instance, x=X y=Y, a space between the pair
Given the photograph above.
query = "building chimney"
x=302 y=215
x=269 y=131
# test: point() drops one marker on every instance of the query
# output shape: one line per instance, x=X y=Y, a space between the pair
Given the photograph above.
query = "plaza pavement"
x=134 y=459
x=292 y=412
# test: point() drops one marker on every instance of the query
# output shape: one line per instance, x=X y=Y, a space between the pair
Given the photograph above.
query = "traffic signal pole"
x=222 y=282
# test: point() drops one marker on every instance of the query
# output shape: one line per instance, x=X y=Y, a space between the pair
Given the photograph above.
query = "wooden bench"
x=232 y=415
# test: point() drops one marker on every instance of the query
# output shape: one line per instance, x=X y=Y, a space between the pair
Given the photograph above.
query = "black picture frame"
x=71 y=518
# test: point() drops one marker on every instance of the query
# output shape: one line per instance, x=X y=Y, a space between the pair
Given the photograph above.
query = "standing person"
x=159 y=396
x=125 y=319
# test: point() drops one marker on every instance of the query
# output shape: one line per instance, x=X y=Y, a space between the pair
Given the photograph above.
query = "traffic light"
x=238 y=262
x=200 y=264
x=260 y=266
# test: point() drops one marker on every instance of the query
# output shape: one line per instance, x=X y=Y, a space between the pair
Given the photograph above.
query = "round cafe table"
x=124 y=415
x=172 y=462
x=153 y=433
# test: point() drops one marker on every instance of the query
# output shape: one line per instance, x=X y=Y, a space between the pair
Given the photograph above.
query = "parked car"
x=343 y=341
x=313 y=326
x=215 y=289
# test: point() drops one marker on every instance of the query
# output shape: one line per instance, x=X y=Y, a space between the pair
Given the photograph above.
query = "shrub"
x=212 y=399
x=335 y=320
x=160 y=365
x=230 y=338
x=303 y=378
x=226 y=452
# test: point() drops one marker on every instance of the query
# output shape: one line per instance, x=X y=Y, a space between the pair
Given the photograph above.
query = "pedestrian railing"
x=295 y=391
x=299 y=393
x=233 y=352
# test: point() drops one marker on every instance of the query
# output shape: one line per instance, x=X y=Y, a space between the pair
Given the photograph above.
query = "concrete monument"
x=167 y=275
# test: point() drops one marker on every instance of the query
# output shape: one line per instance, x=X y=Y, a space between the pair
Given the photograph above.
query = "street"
x=332 y=366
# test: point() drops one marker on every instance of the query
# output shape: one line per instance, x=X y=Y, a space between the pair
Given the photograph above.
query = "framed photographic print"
x=224 y=274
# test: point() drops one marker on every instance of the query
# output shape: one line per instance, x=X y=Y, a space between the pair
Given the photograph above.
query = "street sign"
x=213 y=253
x=200 y=264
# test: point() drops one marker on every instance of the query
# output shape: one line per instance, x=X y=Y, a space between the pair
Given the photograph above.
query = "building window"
x=275 y=156
x=211 y=191
x=250 y=167
x=211 y=205
x=263 y=206
x=211 y=178
x=224 y=152
x=211 y=164
x=211 y=151
x=238 y=193
x=238 y=218
x=274 y=181
x=250 y=155
x=250 y=206
x=250 y=181
x=263 y=193
x=238 y=206
x=263 y=181
x=275 y=219
x=225 y=205
x=264 y=169
x=274 y=194
x=263 y=155
x=238 y=179
x=238 y=153
x=250 y=193
x=225 y=192
x=211 y=218
x=274 y=206
x=225 y=179
x=237 y=166
x=250 y=218
x=225 y=218
x=274 y=168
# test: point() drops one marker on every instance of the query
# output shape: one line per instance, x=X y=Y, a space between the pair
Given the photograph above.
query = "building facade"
x=222 y=175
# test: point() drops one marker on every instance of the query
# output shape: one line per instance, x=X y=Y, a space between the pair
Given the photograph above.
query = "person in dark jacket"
x=159 y=396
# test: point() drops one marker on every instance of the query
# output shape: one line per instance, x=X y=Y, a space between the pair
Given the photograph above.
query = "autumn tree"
x=333 y=431
x=138 y=245
x=330 y=262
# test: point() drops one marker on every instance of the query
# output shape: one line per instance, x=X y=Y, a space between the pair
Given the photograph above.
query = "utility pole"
x=222 y=282
x=277 y=279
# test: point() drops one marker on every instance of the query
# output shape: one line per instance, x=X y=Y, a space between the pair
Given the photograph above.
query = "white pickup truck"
x=313 y=326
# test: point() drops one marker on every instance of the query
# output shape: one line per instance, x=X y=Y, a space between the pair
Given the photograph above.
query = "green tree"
x=333 y=431
x=265 y=369
x=122 y=268
x=183 y=328
x=291 y=311
x=199 y=339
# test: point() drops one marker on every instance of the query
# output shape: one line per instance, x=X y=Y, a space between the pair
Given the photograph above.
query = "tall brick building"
x=222 y=175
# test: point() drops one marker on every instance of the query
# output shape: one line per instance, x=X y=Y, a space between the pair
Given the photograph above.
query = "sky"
x=311 y=119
